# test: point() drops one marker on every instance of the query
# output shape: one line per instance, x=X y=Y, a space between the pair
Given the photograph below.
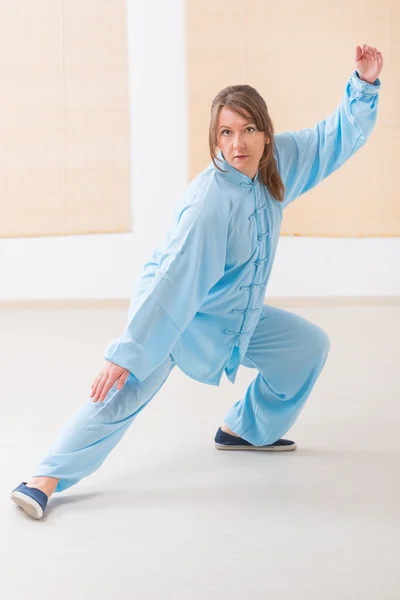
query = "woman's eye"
x=251 y=129
x=225 y=131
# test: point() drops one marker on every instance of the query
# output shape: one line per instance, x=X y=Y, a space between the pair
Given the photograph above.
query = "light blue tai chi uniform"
x=199 y=301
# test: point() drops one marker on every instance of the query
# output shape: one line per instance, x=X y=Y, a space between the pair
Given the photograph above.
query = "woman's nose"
x=238 y=142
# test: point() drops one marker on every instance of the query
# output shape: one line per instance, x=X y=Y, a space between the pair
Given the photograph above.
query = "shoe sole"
x=28 y=505
x=257 y=448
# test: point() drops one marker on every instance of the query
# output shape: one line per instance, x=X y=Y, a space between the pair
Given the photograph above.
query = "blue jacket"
x=200 y=295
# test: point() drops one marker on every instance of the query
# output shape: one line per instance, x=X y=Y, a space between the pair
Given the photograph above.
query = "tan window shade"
x=64 y=118
x=299 y=56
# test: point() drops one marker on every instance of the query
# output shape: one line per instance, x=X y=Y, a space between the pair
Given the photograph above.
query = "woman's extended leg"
x=88 y=437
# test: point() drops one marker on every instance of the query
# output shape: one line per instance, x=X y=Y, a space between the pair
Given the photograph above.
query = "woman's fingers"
x=368 y=49
x=99 y=381
x=106 y=385
x=122 y=380
x=100 y=387
x=94 y=388
x=96 y=383
x=106 y=379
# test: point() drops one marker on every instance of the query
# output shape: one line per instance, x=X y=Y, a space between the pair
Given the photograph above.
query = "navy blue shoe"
x=226 y=441
x=30 y=499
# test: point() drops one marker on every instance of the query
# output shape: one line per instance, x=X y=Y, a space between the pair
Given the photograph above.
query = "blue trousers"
x=289 y=353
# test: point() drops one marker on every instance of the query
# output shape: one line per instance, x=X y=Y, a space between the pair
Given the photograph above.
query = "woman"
x=199 y=301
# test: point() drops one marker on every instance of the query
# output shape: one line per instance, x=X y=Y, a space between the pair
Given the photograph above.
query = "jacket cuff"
x=146 y=342
x=359 y=85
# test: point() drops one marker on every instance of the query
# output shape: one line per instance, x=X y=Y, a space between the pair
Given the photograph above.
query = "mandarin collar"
x=232 y=174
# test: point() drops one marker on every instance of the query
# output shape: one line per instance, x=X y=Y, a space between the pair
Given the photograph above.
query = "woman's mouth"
x=241 y=156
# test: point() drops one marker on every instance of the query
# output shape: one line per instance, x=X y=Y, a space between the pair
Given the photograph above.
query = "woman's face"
x=240 y=141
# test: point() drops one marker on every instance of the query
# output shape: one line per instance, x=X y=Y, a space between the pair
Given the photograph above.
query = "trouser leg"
x=289 y=352
x=92 y=432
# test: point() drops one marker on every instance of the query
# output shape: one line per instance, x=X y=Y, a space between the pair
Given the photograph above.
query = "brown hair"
x=241 y=98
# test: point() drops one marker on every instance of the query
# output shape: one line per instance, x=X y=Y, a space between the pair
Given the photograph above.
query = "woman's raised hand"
x=110 y=374
x=369 y=63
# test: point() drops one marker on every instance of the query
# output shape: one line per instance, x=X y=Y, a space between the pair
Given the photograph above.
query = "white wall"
x=105 y=266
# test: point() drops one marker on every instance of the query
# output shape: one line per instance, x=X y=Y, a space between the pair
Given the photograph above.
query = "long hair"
x=245 y=99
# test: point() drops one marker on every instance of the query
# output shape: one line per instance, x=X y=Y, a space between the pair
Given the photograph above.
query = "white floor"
x=170 y=517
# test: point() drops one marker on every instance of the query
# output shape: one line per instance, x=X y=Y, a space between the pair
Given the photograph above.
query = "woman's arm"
x=307 y=157
x=191 y=263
